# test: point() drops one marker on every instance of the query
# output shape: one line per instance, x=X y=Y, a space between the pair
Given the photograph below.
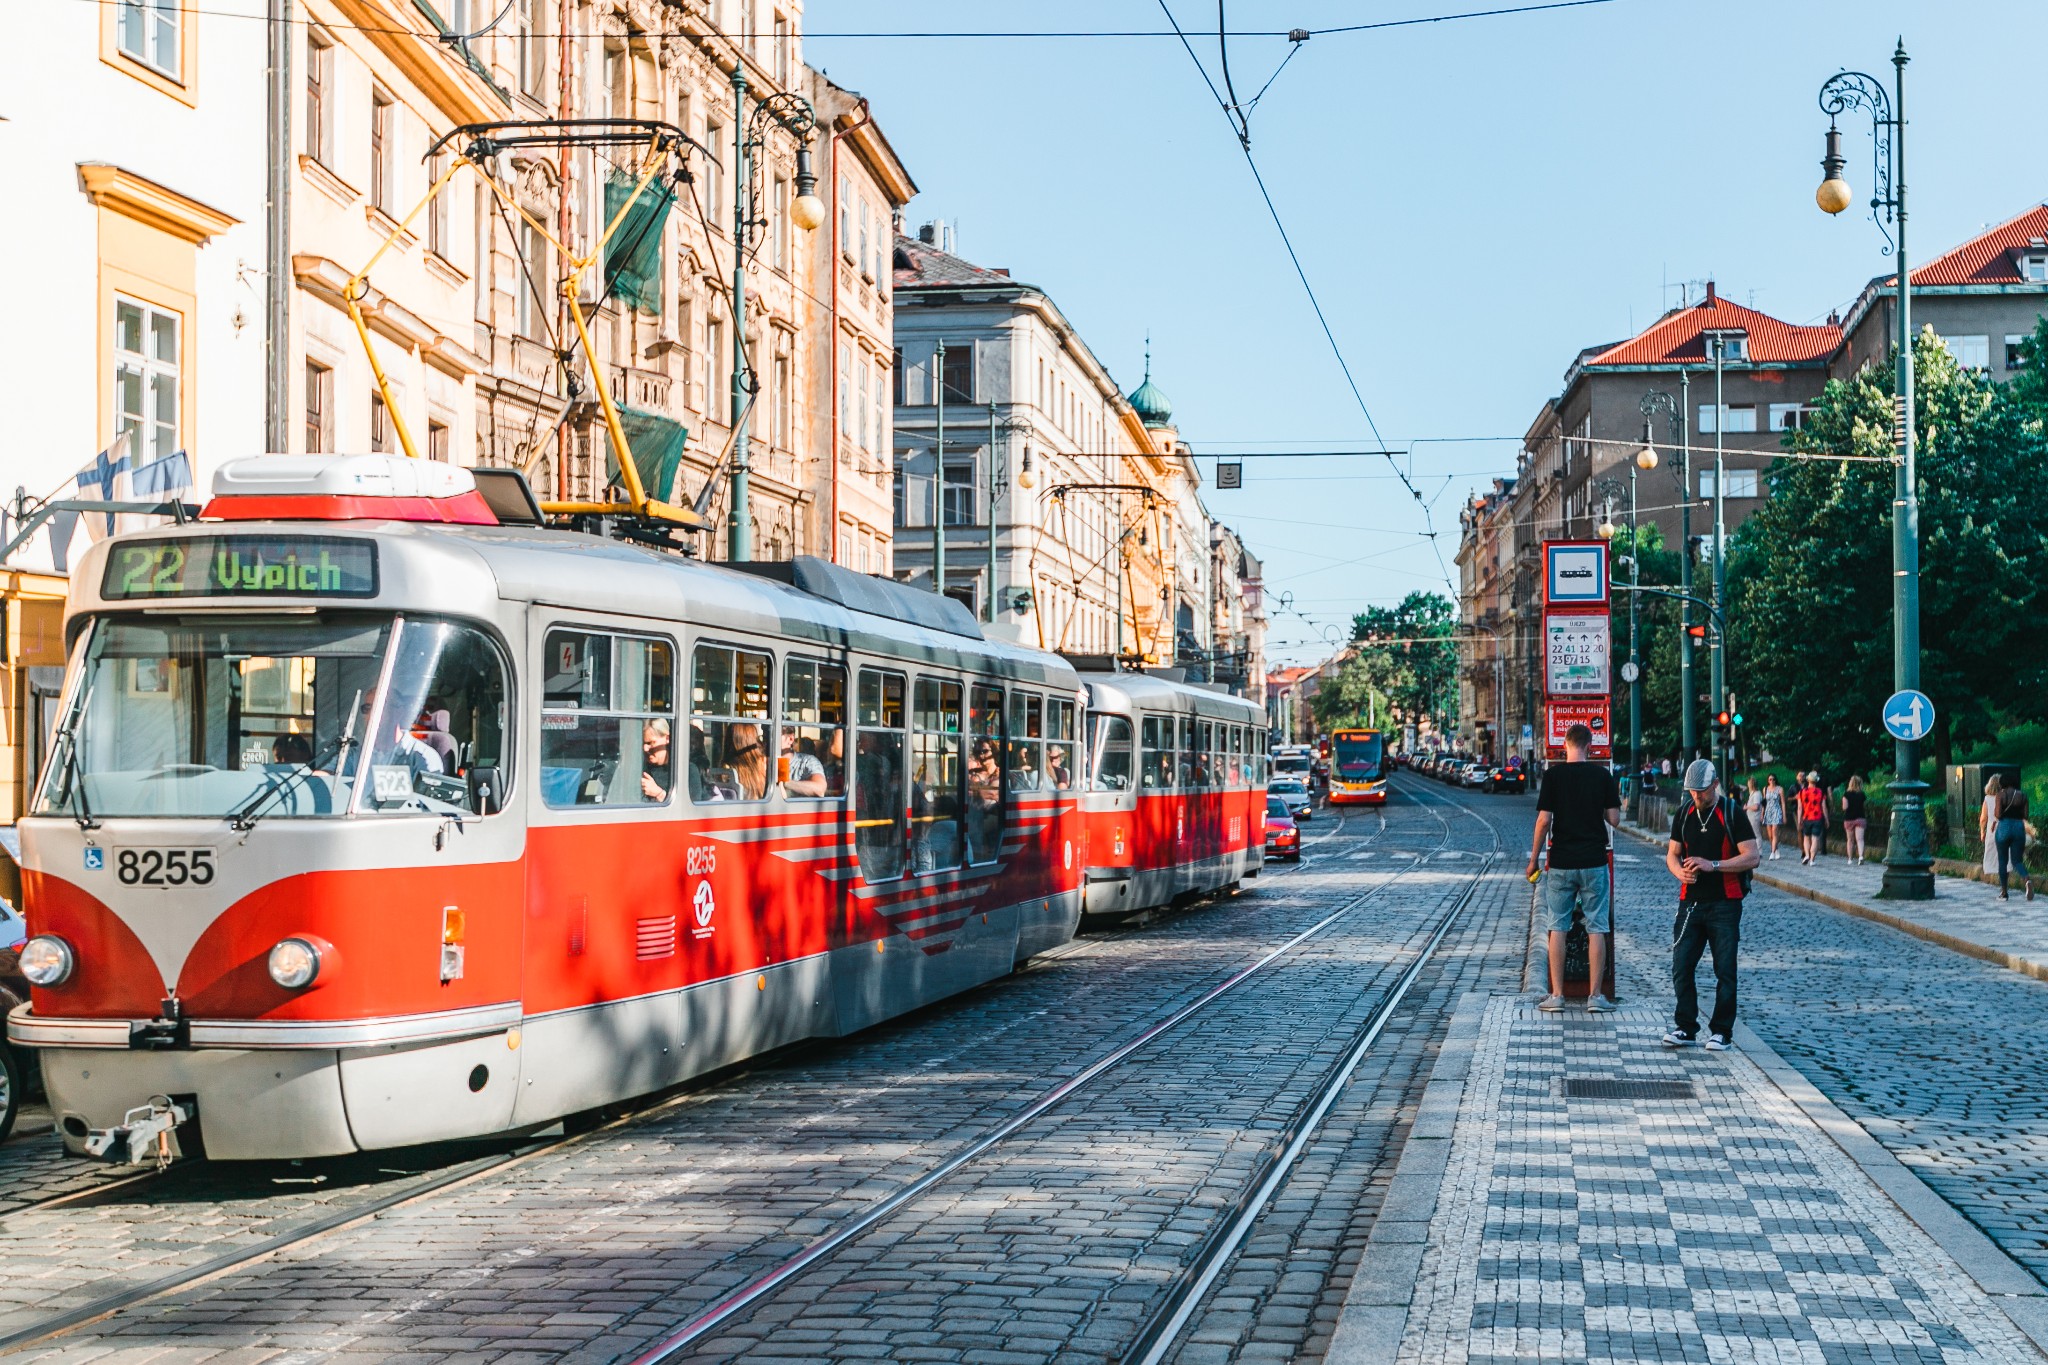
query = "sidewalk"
x=1965 y=916
x=1573 y=1191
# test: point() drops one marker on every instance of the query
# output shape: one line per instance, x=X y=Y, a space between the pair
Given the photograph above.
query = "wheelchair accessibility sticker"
x=95 y=859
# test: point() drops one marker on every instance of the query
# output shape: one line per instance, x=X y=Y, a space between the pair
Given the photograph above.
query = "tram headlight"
x=47 y=960
x=294 y=963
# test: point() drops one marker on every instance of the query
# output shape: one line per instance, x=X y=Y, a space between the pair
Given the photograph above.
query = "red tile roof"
x=1679 y=336
x=1988 y=258
x=920 y=265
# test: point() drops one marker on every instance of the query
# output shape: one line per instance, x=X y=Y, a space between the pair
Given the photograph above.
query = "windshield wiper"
x=244 y=819
x=74 y=780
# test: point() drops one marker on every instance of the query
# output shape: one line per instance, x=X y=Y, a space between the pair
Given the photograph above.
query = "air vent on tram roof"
x=867 y=593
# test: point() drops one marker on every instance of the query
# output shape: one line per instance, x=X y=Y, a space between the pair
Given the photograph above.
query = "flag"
x=101 y=479
x=155 y=481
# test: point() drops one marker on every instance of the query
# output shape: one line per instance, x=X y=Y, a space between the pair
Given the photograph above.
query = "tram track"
x=1159 y=1334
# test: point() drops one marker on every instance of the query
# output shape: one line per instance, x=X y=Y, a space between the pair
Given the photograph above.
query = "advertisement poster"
x=1575 y=655
x=1561 y=715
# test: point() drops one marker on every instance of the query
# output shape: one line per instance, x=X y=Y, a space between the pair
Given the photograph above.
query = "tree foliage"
x=1811 y=570
x=1406 y=655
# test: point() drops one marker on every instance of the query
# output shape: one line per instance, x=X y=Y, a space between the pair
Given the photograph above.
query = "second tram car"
x=377 y=816
x=1358 y=767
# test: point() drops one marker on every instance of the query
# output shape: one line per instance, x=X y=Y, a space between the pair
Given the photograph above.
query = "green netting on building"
x=657 y=451
x=632 y=258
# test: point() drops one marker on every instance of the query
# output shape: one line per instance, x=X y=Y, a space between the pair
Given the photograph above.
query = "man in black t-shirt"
x=1578 y=803
x=1712 y=845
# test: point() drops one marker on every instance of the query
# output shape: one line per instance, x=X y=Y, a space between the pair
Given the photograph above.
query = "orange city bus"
x=1358 y=772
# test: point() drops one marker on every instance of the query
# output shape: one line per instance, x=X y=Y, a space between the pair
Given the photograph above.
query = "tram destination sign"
x=241 y=566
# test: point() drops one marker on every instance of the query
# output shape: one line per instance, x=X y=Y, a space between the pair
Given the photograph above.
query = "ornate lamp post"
x=793 y=114
x=1908 y=862
x=1654 y=401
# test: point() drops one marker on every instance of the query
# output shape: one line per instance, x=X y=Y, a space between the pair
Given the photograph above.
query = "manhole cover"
x=1603 y=1088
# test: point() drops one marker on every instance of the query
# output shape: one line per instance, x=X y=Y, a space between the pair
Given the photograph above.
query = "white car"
x=1473 y=774
x=1295 y=793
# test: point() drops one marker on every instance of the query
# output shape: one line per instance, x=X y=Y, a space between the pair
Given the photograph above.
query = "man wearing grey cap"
x=1712 y=845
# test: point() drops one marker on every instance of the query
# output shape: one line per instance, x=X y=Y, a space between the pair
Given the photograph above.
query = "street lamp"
x=1717 y=661
x=793 y=114
x=1646 y=460
x=1654 y=401
x=1908 y=862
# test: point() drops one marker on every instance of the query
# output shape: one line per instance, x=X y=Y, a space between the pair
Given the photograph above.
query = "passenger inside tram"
x=654 y=760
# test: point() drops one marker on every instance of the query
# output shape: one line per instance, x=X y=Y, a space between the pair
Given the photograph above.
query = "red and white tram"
x=381 y=814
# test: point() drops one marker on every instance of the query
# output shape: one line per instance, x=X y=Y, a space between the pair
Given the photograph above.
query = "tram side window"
x=1188 y=759
x=730 y=729
x=1111 y=746
x=607 y=720
x=878 y=776
x=438 y=741
x=984 y=773
x=1060 y=756
x=936 y=778
x=1158 y=751
x=1026 y=758
x=813 y=728
x=1236 y=755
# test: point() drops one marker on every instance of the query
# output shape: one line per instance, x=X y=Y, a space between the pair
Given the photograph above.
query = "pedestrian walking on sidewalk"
x=1712 y=845
x=1577 y=806
x=2011 y=839
x=1855 y=820
x=1774 y=811
x=1987 y=823
x=1812 y=800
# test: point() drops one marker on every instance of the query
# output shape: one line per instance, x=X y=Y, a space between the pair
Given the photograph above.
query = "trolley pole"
x=989 y=614
x=739 y=535
x=939 y=470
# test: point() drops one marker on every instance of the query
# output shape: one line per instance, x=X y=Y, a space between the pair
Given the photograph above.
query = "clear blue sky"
x=1474 y=201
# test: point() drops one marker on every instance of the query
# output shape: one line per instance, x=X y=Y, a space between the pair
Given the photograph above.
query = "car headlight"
x=47 y=960
x=294 y=963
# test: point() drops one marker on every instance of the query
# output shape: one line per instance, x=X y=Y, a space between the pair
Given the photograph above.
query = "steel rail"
x=729 y=1307
x=1160 y=1335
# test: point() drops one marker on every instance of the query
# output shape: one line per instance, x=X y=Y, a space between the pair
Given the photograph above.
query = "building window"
x=714 y=358
x=845 y=219
x=959 y=374
x=149 y=33
x=896 y=376
x=533 y=56
x=380 y=425
x=533 y=268
x=319 y=71
x=782 y=51
x=1789 y=416
x=437 y=441
x=846 y=390
x=1971 y=352
x=778 y=227
x=2015 y=350
x=1733 y=346
x=319 y=404
x=147 y=352
x=2034 y=268
x=781 y=399
x=1741 y=483
x=860 y=403
x=381 y=107
x=1740 y=417
x=959 y=501
x=437 y=211
x=715 y=207
x=876 y=416
x=862 y=256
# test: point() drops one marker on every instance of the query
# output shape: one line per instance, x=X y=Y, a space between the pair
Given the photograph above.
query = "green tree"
x=1407 y=655
x=1662 y=631
x=1810 y=572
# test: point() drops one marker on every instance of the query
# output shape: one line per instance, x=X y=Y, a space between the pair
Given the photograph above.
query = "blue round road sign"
x=1909 y=715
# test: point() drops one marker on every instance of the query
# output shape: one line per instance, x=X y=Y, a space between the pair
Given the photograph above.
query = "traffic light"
x=1697 y=632
x=1724 y=719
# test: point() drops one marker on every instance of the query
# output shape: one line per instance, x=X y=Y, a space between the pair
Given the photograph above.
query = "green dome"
x=1151 y=405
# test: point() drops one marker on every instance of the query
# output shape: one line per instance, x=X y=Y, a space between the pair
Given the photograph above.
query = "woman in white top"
x=1987 y=824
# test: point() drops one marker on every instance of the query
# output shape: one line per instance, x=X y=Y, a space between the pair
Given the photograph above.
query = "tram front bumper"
x=243 y=1104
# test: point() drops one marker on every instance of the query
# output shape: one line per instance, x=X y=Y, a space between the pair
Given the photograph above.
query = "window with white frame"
x=1741 y=483
x=1733 y=346
x=1971 y=352
x=383 y=116
x=2034 y=266
x=319 y=81
x=781 y=400
x=1789 y=416
x=877 y=415
x=149 y=32
x=1734 y=417
x=845 y=217
x=148 y=350
x=2015 y=350
x=846 y=389
x=715 y=207
x=533 y=56
x=778 y=229
x=862 y=257
x=714 y=358
x=319 y=408
x=380 y=425
x=860 y=403
x=534 y=267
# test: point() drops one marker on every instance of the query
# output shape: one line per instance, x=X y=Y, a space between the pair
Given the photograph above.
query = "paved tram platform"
x=1574 y=1191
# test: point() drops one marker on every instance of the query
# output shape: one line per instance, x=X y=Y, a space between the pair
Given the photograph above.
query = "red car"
x=1283 y=836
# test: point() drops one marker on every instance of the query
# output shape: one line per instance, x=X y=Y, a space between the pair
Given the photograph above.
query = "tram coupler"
x=146 y=1136
x=170 y=1029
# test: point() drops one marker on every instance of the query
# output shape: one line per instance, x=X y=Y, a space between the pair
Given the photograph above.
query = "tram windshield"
x=1357 y=755
x=249 y=717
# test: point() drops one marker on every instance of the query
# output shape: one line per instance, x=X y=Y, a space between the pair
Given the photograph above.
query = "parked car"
x=1294 y=792
x=1474 y=774
x=1283 y=835
x=1507 y=778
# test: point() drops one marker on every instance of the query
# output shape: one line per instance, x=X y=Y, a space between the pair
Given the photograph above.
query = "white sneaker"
x=1678 y=1038
x=1716 y=1043
x=1597 y=1003
x=1550 y=1004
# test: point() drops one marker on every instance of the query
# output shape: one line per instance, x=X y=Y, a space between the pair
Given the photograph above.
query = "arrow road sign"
x=1909 y=715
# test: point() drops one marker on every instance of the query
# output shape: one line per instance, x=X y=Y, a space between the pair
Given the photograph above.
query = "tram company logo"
x=705 y=905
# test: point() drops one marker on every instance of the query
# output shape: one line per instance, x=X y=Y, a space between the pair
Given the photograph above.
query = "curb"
x=1374 y=1316
x=2025 y=966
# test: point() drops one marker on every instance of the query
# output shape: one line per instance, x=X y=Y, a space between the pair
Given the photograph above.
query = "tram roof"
x=1124 y=691
x=438 y=567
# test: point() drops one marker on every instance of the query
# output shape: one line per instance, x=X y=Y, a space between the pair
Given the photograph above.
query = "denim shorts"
x=1586 y=887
